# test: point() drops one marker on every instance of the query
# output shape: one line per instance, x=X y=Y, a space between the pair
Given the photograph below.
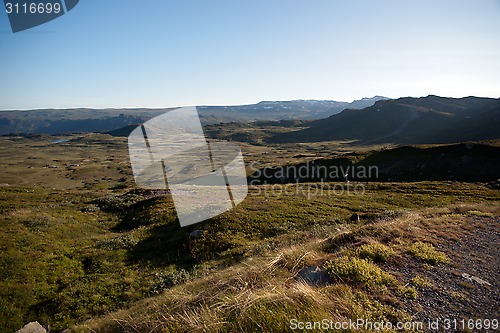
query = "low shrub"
x=119 y=243
x=165 y=281
x=375 y=251
x=426 y=252
x=358 y=271
x=421 y=281
x=407 y=292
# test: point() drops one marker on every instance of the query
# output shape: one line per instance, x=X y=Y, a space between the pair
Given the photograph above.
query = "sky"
x=163 y=53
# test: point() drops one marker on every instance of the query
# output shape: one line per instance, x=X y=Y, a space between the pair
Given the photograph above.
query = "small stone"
x=354 y=217
x=196 y=233
x=314 y=275
x=475 y=279
x=33 y=327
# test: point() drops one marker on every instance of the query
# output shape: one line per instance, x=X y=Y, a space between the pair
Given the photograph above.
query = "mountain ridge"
x=53 y=121
x=430 y=119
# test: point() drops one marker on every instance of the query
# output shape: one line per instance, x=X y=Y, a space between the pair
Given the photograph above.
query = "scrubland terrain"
x=83 y=249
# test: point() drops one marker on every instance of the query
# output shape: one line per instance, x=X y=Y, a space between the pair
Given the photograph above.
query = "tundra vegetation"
x=83 y=248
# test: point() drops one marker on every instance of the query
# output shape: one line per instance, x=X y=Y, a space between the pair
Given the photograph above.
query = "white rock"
x=33 y=327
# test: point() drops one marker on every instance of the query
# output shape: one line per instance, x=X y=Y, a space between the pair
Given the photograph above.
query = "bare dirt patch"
x=467 y=288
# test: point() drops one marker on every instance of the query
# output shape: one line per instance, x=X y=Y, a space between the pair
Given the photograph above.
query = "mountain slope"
x=430 y=119
x=470 y=162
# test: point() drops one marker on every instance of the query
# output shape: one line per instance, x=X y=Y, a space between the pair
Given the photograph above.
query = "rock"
x=196 y=234
x=473 y=278
x=494 y=184
x=314 y=275
x=354 y=217
x=33 y=327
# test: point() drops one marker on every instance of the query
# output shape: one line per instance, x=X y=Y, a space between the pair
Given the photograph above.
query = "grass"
x=77 y=242
x=479 y=213
x=248 y=300
x=259 y=291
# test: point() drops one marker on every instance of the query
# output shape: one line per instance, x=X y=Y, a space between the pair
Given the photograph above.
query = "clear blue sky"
x=160 y=53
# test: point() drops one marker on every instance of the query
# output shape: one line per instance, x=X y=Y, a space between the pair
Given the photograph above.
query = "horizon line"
x=224 y=105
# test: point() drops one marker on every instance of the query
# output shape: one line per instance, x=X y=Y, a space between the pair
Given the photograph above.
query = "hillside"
x=460 y=162
x=430 y=119
x=82 y=245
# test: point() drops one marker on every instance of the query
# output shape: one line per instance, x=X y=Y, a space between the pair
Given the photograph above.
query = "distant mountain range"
x=282 y=110
x=376 y=120
x=430 y=119
x=50 y=121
